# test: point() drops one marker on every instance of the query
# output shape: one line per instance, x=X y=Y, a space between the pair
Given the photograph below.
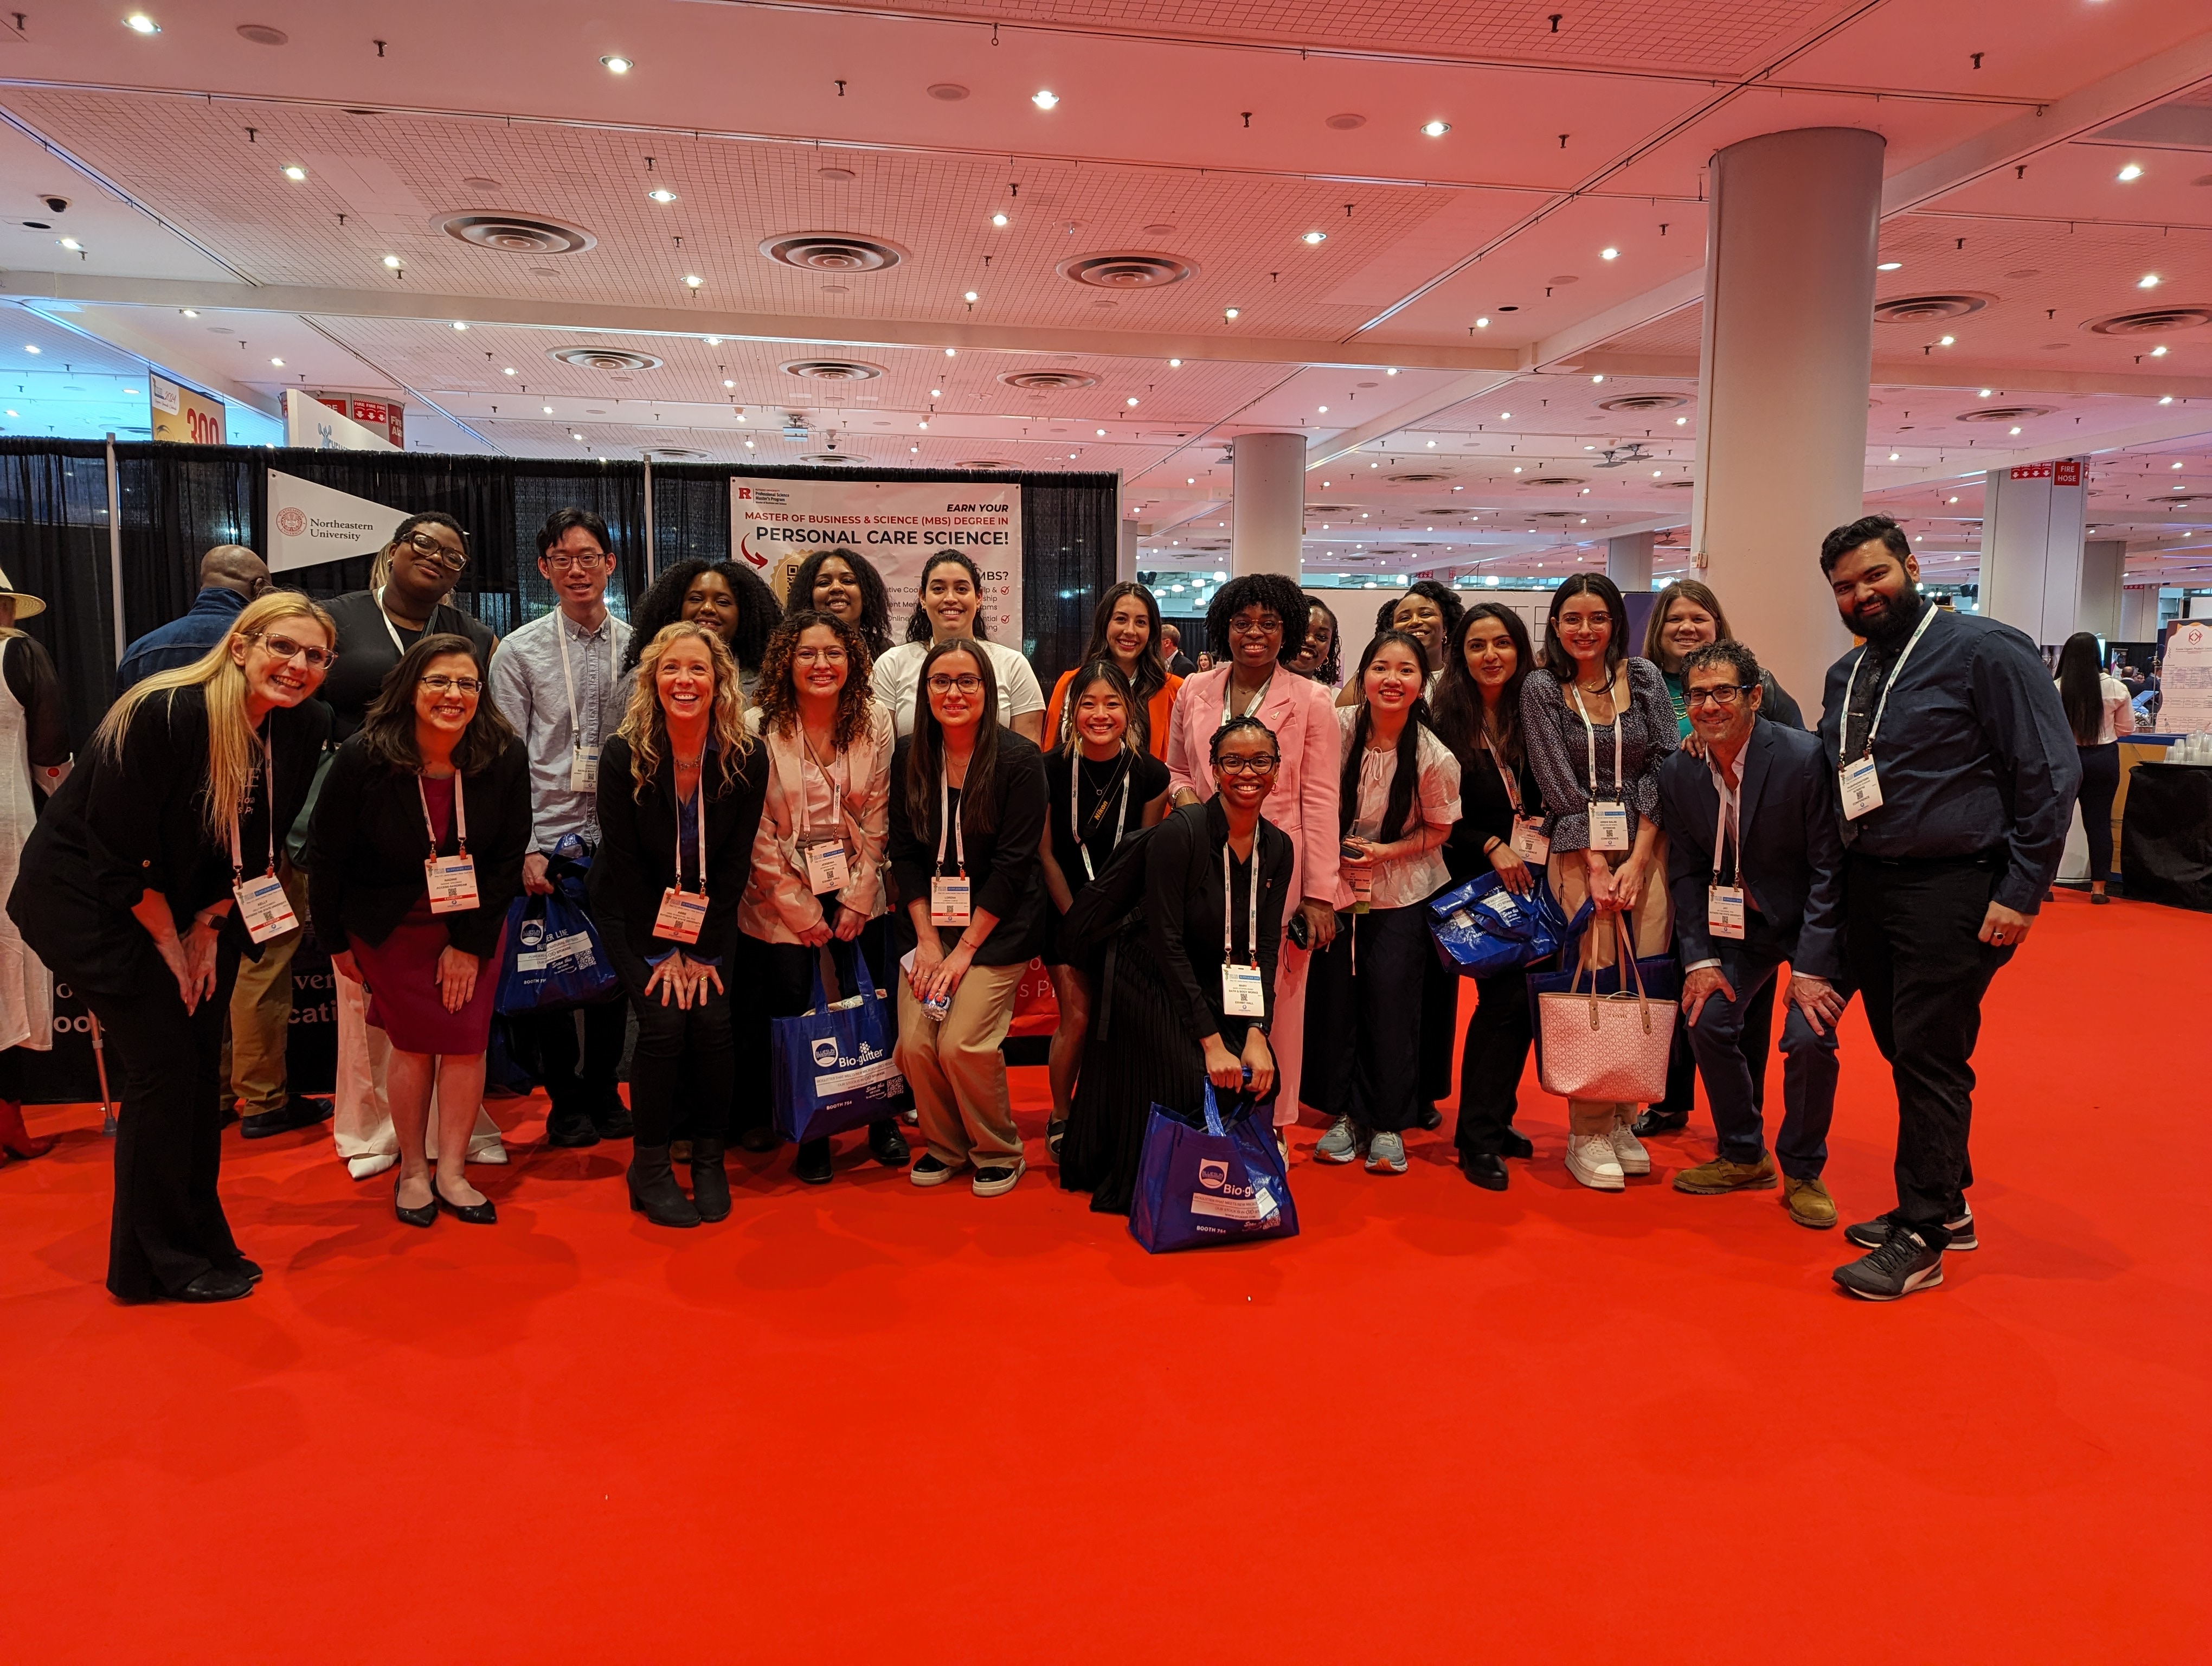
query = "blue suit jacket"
x=1793 y=851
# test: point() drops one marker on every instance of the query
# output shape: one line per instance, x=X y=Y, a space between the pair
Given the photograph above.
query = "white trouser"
x=362 y=1124
x=1286 y=1036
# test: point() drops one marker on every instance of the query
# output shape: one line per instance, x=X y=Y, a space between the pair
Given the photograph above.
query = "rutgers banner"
x=898 y=524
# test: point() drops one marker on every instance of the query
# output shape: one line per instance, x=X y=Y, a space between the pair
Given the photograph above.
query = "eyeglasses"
x=1245 y=766
x=589 y=561
x=438 y=683
x=1266 y=625
x=426 y=544
x=1726 y=695
x=283 y=647
x=968 y=683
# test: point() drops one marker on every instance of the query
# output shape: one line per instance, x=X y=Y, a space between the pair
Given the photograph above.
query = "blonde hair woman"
x=190 y=782
x=679 y=796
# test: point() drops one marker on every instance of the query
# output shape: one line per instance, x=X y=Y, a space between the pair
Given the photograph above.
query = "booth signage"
x=183 y=417
x=308 y=523
x=2185 y=679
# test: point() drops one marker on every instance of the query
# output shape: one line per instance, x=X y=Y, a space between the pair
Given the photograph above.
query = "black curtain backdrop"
x=177 y=501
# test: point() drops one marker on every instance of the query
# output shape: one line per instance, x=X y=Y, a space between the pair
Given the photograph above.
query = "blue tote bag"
x=1481 y=927
x=1206 y=1180
x=831 y=1067
x=554 y=958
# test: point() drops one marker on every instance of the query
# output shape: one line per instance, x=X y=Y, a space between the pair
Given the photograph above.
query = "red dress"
x=401 y=971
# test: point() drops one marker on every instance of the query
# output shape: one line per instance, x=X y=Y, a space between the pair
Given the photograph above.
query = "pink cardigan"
x=777 y=905
x=1304 y=801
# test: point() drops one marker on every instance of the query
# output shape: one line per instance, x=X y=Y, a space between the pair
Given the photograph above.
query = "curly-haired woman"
x=724 y=596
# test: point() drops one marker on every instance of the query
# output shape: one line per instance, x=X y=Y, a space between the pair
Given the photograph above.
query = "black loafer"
x=427 y=1215
x=1514 y=1143
x=812 y=1164
x=1659 y=1121
x=888 y=1146
x=217 y=1283
x=1484 y=1168
x=477 y=1214
x=298 y=1112
x=569 y=1130
x=1430 y=1117
x=251 y=1269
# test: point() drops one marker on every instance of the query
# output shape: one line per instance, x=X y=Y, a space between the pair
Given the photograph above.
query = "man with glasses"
x=1755 y=866
x=411 y=592
x=557 y=680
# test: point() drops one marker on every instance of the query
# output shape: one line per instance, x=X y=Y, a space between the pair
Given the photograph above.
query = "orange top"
x=1158 y=709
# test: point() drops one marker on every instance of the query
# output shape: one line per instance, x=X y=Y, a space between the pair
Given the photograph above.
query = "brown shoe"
x=1721 y=1176
x=1809 y=1203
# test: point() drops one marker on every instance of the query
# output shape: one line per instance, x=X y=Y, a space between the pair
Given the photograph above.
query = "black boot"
x=812 y=1165
x=653 y=1192
x=710 y=1186
x=887 y=1144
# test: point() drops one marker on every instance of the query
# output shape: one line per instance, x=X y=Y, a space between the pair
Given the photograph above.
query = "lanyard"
x=837 y=795
x=1229 y=690
x=568 y=677
x=1842 y=737
x=1589 y=736
x=460 y=815
x=699 y=798
x=1120 y=816
x=1251 y=908
x=392 y=630
x=946 y=824
x=1731 y=818
x=1512 y=788
x=237 y=861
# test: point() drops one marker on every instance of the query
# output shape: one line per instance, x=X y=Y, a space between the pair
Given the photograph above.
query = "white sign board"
x=897 y=524
x=308 y=523
x=2185 y=679
x=311 y=425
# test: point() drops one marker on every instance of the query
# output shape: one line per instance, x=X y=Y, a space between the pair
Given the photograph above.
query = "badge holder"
x=1243 y=988
x=450 y=880
x=262 y=904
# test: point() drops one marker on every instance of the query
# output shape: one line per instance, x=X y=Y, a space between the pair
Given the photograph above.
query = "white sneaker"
x=1340 y=1144
x=1385 y=1154
x=1627 y=1150
x=1591 y=1160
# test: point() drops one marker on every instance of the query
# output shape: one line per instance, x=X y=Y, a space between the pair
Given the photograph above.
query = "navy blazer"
x=1793 y=851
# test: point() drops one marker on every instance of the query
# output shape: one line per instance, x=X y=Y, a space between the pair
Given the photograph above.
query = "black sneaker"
x=298 y=1112
x=928 y=1171
x=567 y=1127
x=1873 y=1234
x=1656 y=1121
x=1902 y=1265
x=887 y=1144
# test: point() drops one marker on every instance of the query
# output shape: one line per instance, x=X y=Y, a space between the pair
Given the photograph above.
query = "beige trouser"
x=1650 y=928
x=957 y=1071
x=261 y=1015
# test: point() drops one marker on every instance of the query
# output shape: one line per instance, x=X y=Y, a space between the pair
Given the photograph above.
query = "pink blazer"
x=777 y=905
x=1304 y=801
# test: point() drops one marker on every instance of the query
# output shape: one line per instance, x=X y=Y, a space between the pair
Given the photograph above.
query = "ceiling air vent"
x=1416 y=479
x=1131 y=269
x=2004 y=413
x=1644 y=402
x=1676 y=485
x=832 y=252
x=673 y=454
x=2151 y=321
x=986 y=464
x=834 y=370
x=1552 y=480
x=516 y=233
x=831 y=458
x=603 y=358
x=1329 y=509
x=1923 y=309
x=1048 y=381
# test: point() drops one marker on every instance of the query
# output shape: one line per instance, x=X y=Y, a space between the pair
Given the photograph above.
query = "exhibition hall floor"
x=870 y=1423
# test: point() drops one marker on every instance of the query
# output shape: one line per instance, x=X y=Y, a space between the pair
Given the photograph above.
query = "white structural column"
x=1788 y=338
x=2104 y=573
x=1628 y=562
x=2032 y=548
x=1125 y=556
x=2139 y=614
x=1270 y=473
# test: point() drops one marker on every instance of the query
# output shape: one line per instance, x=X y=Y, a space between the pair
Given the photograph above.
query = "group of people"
x=1225 y=870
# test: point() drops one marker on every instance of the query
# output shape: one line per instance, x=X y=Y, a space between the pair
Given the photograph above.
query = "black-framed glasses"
x=283 y=647
x=1246 y=766
x=1728 y=694
x=423 y=543
x=438 y=683
x=589 y=561
x=967 y=683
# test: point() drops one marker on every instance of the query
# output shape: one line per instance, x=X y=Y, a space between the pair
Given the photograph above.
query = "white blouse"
x=2119 y=716
x=898 y=677
x=1406 y=880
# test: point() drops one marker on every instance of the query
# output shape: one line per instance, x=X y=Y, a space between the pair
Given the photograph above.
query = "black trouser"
x=1439 y=1020
x=581 y=1087
x=2100 y=784
x=1910 y=934
x=1491 y=1060
x=684 y=1065
x=1372 y=976
x=787 y=976
x=167 y=1227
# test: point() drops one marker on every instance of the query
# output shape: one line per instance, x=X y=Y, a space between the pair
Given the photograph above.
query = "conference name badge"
x=1860 y=788
x=948 y=901
x=262 y=905
x=1242 y=994
x=1608 y=825
x=1724 y=911
x=584 y=768
x=827 y=869
x=681 y=913
x=1529 y=842
x=453 y=884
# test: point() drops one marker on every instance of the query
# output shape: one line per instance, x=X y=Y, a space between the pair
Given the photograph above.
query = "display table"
x=2165 y=838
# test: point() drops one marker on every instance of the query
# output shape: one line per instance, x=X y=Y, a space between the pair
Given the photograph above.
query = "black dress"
x=1160 y=995
x=1108 y=816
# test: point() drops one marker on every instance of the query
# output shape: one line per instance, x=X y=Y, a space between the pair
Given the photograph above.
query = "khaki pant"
x=261 y=1015
x=957 y=1071
x=1650 y=928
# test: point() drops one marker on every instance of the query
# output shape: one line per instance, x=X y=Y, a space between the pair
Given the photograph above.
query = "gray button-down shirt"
x=531 y=692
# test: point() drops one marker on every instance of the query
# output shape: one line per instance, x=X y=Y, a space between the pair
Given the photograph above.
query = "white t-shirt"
x=898 y=675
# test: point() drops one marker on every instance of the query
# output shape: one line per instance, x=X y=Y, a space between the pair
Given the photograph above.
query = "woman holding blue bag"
x=679 y=796
x=1500 y=831
x=817 y=861
x=1191 y=997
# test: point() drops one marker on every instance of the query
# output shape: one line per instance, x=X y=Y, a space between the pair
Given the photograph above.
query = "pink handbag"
x=1606 y=1047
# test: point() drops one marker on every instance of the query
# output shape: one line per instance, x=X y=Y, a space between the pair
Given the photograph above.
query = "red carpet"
x=868 y=1423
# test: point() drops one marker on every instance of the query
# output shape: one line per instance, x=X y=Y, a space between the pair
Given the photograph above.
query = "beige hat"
x=27 y=606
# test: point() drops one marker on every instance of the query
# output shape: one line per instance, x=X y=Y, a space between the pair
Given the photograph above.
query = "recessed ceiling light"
x=279 y=363
x=509 y=371
x=1133 y=398
x=661 y=194
x=1893 y=457
x=692 y=280
x=1954 y=500
x=392 y=261
x=2177 y=465
x=2132 y=171
x=1889 y=266
x=189 y=312
x=2015 y=430
x=727 y=382
x=2168 y=400
x=1680 y=422
x=1044 y=97
x=28 y=348
x=1946 y=341
x=1597 y=379
x=294 y=171
x=458 y=325
x=618 y=64
x=1392 y=371
x=2155 y=352
x=576 y=436
x=2149 y=280
x=1436 y=130
x=1482 y=324
x=951 y=352
x=971 y=297
x=998 y=219
x=923 y=424
x=1609 y=254
x=1505 y=415
x=1175 y=364
x=69 y=243
x=1229 y=311
x=139 y=23
x=548 y=410
x=1314 y=237
x=1324 y=410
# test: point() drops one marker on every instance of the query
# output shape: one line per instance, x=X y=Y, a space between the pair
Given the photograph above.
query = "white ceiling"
x=1217 y=134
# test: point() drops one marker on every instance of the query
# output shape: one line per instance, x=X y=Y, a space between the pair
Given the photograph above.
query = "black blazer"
x=1793 y=855
x=1182 y=912
x=1486 y=813
x=1005 y=873
x=120 y=828
x=637 y=858
x=367 y=846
